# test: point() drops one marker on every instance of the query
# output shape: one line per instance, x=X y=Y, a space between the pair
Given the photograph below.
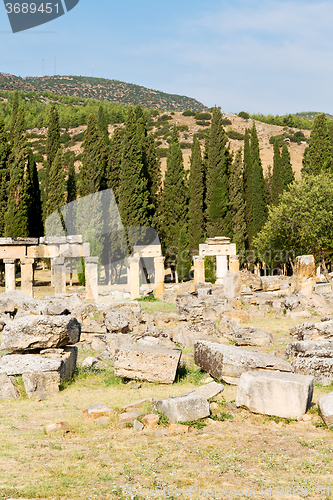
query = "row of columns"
x=134 y=276
x=221 y=267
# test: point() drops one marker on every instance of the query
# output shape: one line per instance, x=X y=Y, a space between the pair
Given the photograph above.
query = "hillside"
x=100 y=89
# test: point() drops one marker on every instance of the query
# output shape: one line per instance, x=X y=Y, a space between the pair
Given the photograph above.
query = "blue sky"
x=263 y=56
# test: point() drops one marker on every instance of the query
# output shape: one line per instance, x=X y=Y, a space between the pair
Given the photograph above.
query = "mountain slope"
x=100 y=89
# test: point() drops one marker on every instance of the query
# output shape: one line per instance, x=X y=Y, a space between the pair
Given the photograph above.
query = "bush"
x=185 y=145
x=244 y=115
x=182 y=128
x=232 y=134
x=202 y=123
x=226 y=121
x=188 y=112
x=164 y=118
x=162 y=152
x=203 y=116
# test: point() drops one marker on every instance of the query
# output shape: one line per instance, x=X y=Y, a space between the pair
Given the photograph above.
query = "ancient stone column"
x=9 y=274
x=59 y=275
x=27 y=277
x=234 y=264
x=91 y=276
x=159 y=277
x=305 y=273
x=232 y=285
x=199 y=269
x=134 y=263
x=221 y=267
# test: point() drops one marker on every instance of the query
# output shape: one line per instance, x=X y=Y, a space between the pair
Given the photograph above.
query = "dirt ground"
x=244 y=456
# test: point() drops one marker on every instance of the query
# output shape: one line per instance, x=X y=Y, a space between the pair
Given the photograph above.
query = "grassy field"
x=242 y=455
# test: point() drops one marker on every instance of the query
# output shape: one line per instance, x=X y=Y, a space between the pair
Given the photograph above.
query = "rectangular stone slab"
x=227 y=362
x=284 y=395
x=207 y=391
x=183 y=409
x=155 y=364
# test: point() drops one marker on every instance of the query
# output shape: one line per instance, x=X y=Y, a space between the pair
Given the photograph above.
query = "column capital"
x=9 y=261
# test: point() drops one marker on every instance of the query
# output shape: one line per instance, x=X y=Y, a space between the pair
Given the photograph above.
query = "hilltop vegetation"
x=100 y=89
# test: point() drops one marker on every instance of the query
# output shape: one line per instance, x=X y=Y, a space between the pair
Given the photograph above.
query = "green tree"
x=34 y=204
x=318 y=155
x=56 y=198
x=114 y=162
x=52 y=139
x=152 y=169
x=218 y=222
x=174 y=198
x=196 y=194
x=237 y=202
x=183 y=258
x=247 y=175
x=14 y=115
x=277 y=178
x=302 y=222
x=286 y=167
x=71 y=181
x=102 y=124
x=268 y=184
x=4 y=173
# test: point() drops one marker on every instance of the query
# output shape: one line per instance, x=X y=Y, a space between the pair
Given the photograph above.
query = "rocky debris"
x=251 y=336
x=190 y=307
x=318 y=363
x=128 y=417
x=308 y=348
x=227 y=363
x=183 y=337
x=138 y=426
x=150 y=420
x=11 y=302
x=253 y=281
x=40 y=332
x=147 y=363
x=203 y=292
x=183 y=409
x=62 y=362
x=138 y=405
x=98 y=343
x=284 y=395
x=90 y=362
x=291 y=302
x=116 y=322
x=325 y=406
x=237 y=315
x=41 y=383
x=207 y=391
x=313 y=331
x=227 y=324
x=322 y=288
x=93 y=412
x=270 y=283
x=131 y=310
x=59 y=426
x=115 y=340
x=7 y=388
x=232 y=285
x=59 y=305
x=305 y=273
x=164 y=319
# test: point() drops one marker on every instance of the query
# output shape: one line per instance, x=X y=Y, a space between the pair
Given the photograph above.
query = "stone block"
x=308 y=348
x=41 y=383
x=137 y=405
x=313 y=331
x=96 y=411
x=7 y=388
x=325 y=406
x=127 y=417
x=40 y=332
x=251 y=336
x=116 y=322
x=155 y=364
x=59 y=426
x=151 y=420
x=232 y=285
x=138 y=426
x=284 y=395
x=226 y=362
x=321 y=368
x=207 y=391
x=239 y=315
x=115 y=340
x=98 y=343
x=183 y=409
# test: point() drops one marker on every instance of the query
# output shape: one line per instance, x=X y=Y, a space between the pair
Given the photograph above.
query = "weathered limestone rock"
x=325 y=406
x=323 y=348
x=232 y=285
x=98 y=343
x=271 y=393
x=182 y=337
x=227 y=325
x=138 y=405
x=291 y=302
x=63 y=362
x=60 y=304
x=40 y=332
x=59 y=426
x=151 y=420
x=127 y=417
x=305 y=272
x=270 y=283
x=164 y=319
x=227 y=363
x=7 y=388
x=313 y=331
x=96 y=411
x=147 y=363
x=90 y=362
x=183 y=409
x=116 y=322
x=115 y=340
x=207 y=391
x=189 y=306
x=320 y=368
x=13 y=301
x=239 y=315
x=252 y=336
x=138 y=426
x=41 y=383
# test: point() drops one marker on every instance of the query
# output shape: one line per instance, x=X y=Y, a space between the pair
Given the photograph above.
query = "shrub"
x=203 y=116
x=188 y=112
x=232 y=134
x=202 y=123
x=226 y=121
x=244 y=115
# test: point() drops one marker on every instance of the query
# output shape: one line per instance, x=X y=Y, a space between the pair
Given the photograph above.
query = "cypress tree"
x=277 y=179
x=4 y=173
x=114 y=162
x=247 y=176
x=14 y=115
x=71 y=181
x=196 y=194
x=237 y=202
x=268 y=184
x=286 y=167
x=318 y=155
x=134 y=200
x=102 y=124
x=258 y=204
x=34 y=204
x=93 y=169
x=52 y=140
x=56 y=198
x=152 y=169
x=183 y=258
x=174 y=198
x=218 y=221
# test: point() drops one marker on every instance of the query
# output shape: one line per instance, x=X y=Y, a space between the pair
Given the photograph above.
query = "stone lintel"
x=147 y=251
x=217 y=250
x=18 y=241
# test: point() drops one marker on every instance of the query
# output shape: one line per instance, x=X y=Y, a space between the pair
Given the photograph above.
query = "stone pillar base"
x=91 y=276
x=10 y=274
x=27 y=277
x=159 y=277
x=134 y=266
x=59 y=275
x=199 y=269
